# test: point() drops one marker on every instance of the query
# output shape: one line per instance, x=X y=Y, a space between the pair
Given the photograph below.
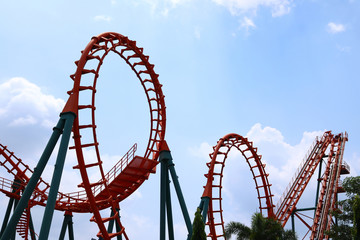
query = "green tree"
x=261 y=229
x=345 y=229
x=241 y=231
x=356 y=210
x=198 y=231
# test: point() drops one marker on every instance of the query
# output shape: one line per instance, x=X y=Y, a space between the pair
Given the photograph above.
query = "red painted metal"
x=131 y=171
x=95 y=52
x=330 y=181
x=214 y=180
x=287 y=203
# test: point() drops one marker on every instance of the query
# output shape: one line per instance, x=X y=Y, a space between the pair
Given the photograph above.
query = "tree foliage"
x=261 y=229
x=198 y=231
x=349 y=215
x=356 y=210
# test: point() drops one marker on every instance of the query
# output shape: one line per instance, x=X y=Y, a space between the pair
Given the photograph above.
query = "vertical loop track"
x=215 y=175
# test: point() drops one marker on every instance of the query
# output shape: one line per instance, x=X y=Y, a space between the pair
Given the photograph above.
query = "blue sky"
x=278 y=71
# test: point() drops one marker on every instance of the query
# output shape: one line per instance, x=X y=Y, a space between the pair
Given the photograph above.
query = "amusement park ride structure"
x=28 y=189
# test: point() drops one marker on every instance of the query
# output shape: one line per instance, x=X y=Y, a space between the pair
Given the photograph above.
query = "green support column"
x=204 y=206
x=68 y=118
x=7 y=215
x=31 y=228
x=38 y=170
x=118 y=228
x=15 y=186
x=111 y=224
x=163 y=188
x=180 y=196
x=168 y=208
x=166 y=165
x=293 y=222
x=67 y=223
x=71 y=230
x=165 y=157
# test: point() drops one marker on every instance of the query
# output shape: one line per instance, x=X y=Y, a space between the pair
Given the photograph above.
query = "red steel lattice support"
x=327 y=199
x=293 y=193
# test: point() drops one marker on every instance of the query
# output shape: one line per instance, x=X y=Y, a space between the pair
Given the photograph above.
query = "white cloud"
x=23 y=103
x=27 y=115
x=247 y=23
x=335 y=28
x=281 y=158
x=281 y=9
x=23 y=121
x=202 y=151
x=104 y=18
x=236 y=7
x=178 y=2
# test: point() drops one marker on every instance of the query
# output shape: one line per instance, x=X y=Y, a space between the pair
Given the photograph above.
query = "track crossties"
x=215 y=175
x=82 y=103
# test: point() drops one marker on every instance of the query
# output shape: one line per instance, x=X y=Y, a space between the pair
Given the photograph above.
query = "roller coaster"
x=28 y=189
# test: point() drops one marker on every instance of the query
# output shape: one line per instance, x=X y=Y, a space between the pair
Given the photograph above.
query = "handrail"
x=73 y=197
x=300 y=167
x=117 y=169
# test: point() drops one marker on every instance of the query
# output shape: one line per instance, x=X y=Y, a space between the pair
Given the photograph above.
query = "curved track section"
x=133 y=170
x=215 y=175
x=82 y=103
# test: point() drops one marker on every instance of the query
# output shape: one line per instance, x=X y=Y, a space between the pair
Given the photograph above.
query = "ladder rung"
x=87 y=126
x=88 y=165
x=86 y=71
x=86 y=106
x=81 y=88
x=92 y=184
x=85 y=145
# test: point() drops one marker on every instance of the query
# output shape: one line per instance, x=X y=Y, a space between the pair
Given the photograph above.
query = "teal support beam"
x=13 y=234
x=169 y=209
x=63 y=229
x=163 y=188
x=293 y=222
x=31 y=228
x=204 y=206
x=180 y=196
x=38 y=170
x=15 y=188
x=68 y=119
x=166 y=166
x=304 y=209
x=111 y=223
x=71 y=229
x=67 y=223
x=7 y=215
x=118 y=228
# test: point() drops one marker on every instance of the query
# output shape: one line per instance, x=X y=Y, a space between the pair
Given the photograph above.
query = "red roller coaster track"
x=131 y=171
x=96 y=51
x=214 y=177
x=292 y=194
x=288 y=202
